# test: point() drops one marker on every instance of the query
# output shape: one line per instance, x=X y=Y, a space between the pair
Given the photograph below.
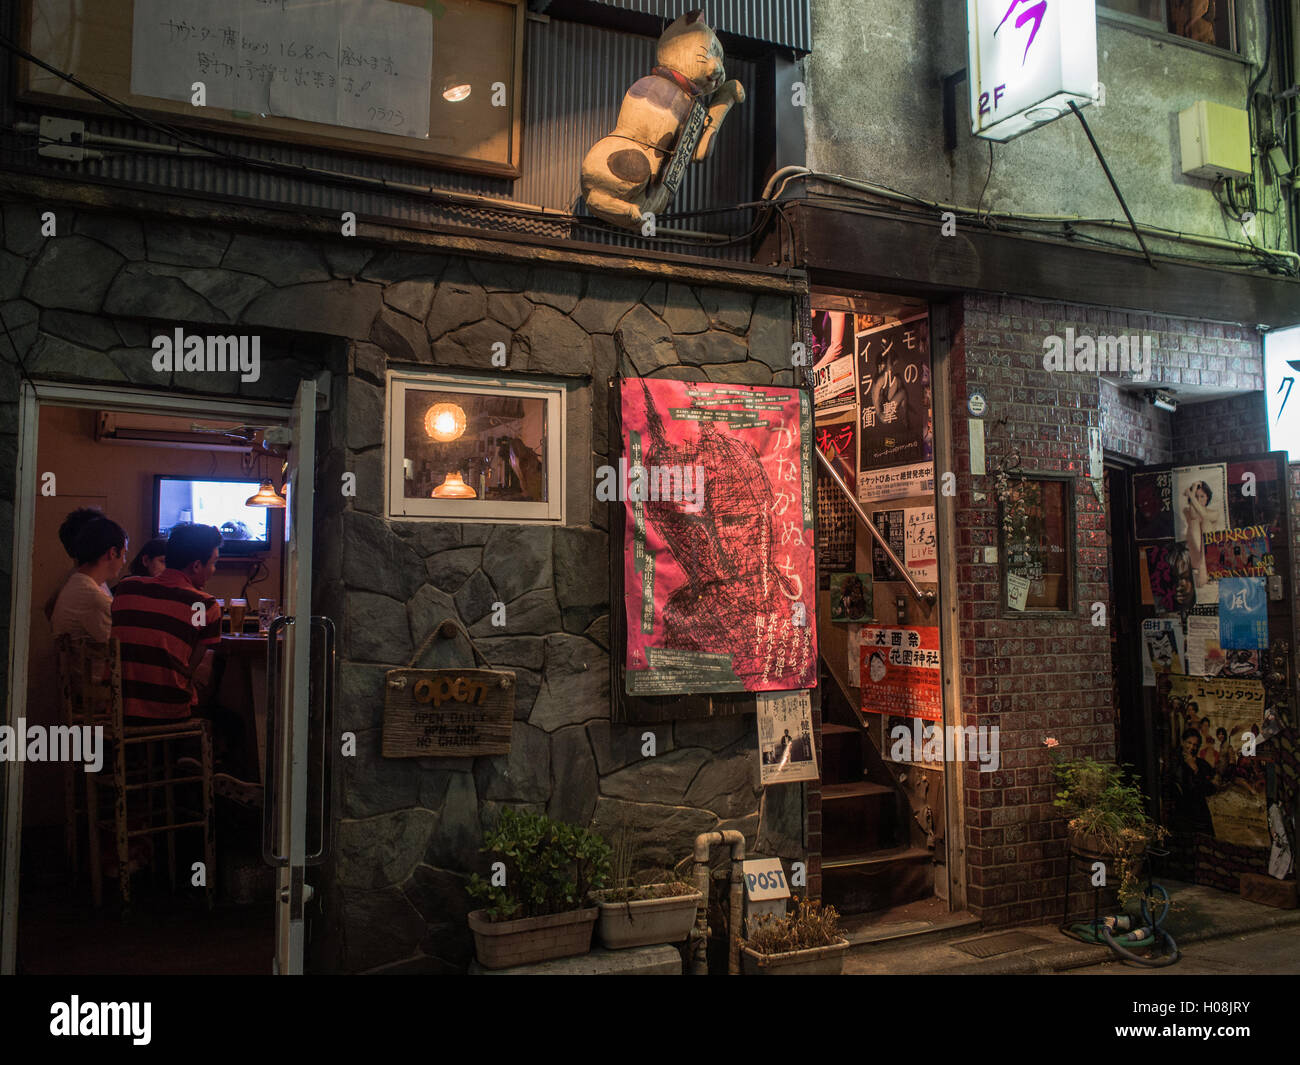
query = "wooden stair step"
x=876 y=859
x=853 y=790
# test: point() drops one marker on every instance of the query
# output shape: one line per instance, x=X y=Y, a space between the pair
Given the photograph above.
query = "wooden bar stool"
x=90 y=677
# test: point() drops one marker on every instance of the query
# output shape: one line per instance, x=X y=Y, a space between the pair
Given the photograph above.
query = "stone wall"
x=411 y=829
x=83 y=306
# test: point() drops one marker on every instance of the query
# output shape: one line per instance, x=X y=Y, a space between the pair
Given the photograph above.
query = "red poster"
x=900 y=672
x=718 y=548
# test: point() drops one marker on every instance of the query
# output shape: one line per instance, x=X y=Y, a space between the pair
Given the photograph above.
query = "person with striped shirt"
x=165 y=626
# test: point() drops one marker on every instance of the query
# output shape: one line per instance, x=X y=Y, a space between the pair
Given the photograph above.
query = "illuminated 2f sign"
x=1029 y=59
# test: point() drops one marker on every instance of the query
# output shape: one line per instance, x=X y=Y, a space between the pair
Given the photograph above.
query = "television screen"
x=185 y=500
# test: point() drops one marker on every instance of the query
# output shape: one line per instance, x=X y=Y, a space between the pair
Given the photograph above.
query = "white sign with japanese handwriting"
x=365 y=64
x=920 y=547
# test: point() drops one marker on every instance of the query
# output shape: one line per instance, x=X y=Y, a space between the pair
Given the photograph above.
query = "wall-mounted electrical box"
x=1215 y=141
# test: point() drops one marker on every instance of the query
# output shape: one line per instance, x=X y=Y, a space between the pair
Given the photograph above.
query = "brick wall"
x=1041 y=677
x=1221 y=428
x=1132 y=427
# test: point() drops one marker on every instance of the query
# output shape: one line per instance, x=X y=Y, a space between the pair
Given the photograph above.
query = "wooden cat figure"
x=622 y=175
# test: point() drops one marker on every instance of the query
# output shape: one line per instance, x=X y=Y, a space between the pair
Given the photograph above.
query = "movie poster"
x=785 y=738
x=718 y=543
x=899 y=672
x=1200 y=511
x=836 y=522
x=852 y=598
x=1238 y=553
x=896 y=435
x=891 y=526
x=1162 y=648
x=1255 y=495
x=1219 y=787
x=1153 y=505
x=1169 y=576
x=1243 y=614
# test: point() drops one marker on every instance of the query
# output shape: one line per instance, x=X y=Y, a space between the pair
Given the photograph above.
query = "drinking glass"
x=238 y=607
x=265 y=615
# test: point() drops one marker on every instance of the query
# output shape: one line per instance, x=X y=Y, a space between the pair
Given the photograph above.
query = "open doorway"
x=882 y=801
x=150 y=464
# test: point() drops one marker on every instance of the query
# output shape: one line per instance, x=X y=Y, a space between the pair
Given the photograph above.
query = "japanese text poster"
x=718 y=546
x=899 y=672
x=785 y=739
x=896 y=435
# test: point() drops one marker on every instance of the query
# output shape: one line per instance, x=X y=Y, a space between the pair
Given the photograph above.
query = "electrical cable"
x=18 y=359
x=987 y=178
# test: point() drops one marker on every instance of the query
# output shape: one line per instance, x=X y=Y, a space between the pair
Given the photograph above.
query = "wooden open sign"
x=459 y=713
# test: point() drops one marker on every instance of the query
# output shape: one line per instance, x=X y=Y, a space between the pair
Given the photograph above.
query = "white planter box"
x=646 y=922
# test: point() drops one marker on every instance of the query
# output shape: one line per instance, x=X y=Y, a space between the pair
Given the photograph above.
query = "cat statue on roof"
x=623 y=173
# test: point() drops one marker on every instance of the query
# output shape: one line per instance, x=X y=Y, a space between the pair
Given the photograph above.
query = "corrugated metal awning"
x=786 y=23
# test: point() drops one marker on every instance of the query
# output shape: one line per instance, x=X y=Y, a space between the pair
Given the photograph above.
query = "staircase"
x=874 y=853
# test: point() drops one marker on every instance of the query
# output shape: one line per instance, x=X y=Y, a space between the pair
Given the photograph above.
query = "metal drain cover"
x=1002 y=943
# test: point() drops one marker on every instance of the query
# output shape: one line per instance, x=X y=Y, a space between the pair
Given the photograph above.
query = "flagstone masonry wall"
x=83 y=306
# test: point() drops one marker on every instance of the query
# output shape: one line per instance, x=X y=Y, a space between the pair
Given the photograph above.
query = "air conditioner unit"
x=153 y=430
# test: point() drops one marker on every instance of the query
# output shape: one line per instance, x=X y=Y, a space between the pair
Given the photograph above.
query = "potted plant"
x=534 y=912
x=804 y=942
x=660 y=909
x=1107 y=817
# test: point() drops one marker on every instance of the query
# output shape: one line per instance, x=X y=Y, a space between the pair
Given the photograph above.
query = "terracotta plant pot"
x=816 y=961
x=502 y=944
x=645 y=922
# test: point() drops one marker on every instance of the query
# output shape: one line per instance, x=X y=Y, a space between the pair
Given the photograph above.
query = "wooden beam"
x=868 y=247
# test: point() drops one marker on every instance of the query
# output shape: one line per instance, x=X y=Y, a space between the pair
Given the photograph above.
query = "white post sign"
x=1028 y=60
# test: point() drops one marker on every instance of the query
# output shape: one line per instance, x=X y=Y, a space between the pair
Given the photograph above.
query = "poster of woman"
x=1200 y=507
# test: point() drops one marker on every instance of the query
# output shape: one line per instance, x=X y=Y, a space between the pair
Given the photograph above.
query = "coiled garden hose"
x=1157 y=935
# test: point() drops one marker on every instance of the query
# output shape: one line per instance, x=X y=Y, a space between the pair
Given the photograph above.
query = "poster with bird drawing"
x=718 y=545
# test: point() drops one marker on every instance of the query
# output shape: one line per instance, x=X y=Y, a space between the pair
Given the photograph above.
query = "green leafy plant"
x=809 y=925
x=1107 y=813
x=550 y=867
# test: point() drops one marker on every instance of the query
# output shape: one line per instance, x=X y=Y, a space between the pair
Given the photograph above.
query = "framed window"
x=1036 y=544
x=475 y=449
x=1214 y=23
x=452 y=99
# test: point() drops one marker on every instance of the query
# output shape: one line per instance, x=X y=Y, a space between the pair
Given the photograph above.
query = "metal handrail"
x=927 y=597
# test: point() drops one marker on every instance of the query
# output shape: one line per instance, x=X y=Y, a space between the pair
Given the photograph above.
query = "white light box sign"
x=1282 y=387
x=1028 y=60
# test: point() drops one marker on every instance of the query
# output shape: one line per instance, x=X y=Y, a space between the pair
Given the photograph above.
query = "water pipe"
x=700 y=933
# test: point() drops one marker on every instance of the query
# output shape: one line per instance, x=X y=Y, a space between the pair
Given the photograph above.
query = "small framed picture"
x=851 y=598
x=1036 y=544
